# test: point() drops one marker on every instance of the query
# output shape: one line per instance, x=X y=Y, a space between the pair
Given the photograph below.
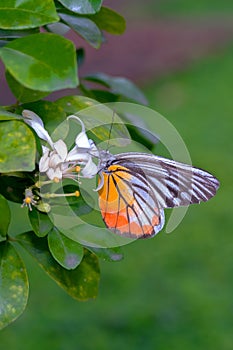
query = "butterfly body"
x=136 y=187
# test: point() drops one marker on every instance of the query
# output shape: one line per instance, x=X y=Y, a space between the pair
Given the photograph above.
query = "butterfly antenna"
x=110 y=132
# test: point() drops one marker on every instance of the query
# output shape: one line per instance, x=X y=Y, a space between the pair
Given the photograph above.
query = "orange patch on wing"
x=115 y=220
x=109 y=193
x=136 y=229
x=113 y=208
x=155 y=221
x=119 y=221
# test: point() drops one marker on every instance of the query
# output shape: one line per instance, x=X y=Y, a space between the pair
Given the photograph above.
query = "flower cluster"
x=56 y=161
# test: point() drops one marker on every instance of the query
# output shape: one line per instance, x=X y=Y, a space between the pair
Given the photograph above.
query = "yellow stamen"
x=77 y=168
x=28 y=200
x=56 y=180
x=55 y=195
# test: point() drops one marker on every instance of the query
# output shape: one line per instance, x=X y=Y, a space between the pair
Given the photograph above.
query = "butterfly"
x=134 y=188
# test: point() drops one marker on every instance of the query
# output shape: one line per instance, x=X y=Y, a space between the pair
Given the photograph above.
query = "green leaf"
x=58 y=28
x=102 y=96
x=40 y=222
x=13 y=187
x=22 y=14
x=97 y=118
x=17 y=147
x=42 y=62
x=119 y=85
x=5 y=216
x=3 y=43
x=81 y=283
x=82 y=6
x=13 y=34
x=85 y=27
x=4 y=115
x=22 y=93
x=92 y=234
x=139 y=132
x=108 y=254
x=74 y=104
x=65 y=251
x=14 y=284
x=109 y=20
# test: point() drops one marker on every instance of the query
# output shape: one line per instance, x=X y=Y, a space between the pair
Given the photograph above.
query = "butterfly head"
x=105 y=159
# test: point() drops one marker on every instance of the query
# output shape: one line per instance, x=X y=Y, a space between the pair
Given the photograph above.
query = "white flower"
x=51 y=161
x=56 y=161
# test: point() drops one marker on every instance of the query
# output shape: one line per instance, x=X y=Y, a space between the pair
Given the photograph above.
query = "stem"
x=55 y=195
x=11 y=239
x=39 y=184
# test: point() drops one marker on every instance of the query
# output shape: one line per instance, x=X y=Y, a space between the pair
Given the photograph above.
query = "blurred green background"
x=175 y=290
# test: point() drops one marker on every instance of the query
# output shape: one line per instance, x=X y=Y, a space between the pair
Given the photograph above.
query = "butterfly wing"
x=140 y=185
x=128 y=205
x=174 y=184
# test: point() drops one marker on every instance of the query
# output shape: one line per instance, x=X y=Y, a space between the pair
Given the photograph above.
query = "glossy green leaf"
x=81 y=283
x=82 y=6
x=119 y=85
x=139 y=132
x=13 y=34
x=97 y=118
x=40 y=222
x=108 y=254
x=85 y=27
x=22 y=93
x=102 y=96
x=92 y=234
x=3 y=43
x=5 y=216
x=42 y=62
x=58 y=28
x=65 y=251
x=5 y=115
x=13 y=284
x=22 y=14
x=17 y=147
x=109 y=20
x=13 y=187
x=74 y=104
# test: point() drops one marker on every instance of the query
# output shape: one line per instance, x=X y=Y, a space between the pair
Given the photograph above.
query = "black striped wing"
x=173 y=184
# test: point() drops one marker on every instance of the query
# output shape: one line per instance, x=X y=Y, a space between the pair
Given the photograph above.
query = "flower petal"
x=37 y=124
x=54 y=160
x=90 y=169
x=44 y=162
x=54 y=173
x=82 y=140
x=32 y=117
x=61 y=149
x=78 y=155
